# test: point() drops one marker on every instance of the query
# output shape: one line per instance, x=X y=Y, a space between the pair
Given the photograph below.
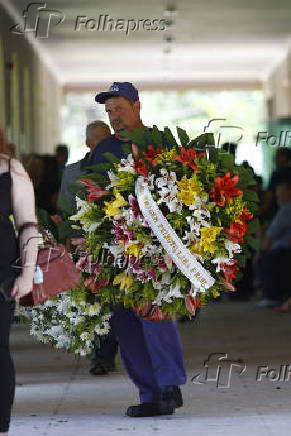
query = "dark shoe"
x=146 y=410
x=102 y=367
x=171 y=396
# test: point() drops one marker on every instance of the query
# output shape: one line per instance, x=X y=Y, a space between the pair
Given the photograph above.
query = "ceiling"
x=214 y=42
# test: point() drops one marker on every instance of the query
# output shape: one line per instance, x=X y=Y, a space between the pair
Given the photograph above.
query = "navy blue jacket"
x=110 y=144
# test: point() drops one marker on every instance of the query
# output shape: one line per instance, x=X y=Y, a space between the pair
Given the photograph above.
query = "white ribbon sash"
x=169 y=239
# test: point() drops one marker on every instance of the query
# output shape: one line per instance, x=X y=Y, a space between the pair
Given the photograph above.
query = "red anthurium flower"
x=224 y=189
x=239 y=228
x=229 y=272
x=144 y=310
x=94 y=283
x=191 y=304
x=227 y=285
x=157 y=315
x=236 y=232
x=188 y=157
x=152 y=154
x=245 y=215
x=141 y=168
x=151 y=313
x=101 y=283
x=93 y=190
x=90 y=283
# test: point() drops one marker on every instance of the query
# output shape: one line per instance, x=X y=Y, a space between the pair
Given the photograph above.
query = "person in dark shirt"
x=272 y=264
x=280 y=175
x=151 y=350
x=96 y=131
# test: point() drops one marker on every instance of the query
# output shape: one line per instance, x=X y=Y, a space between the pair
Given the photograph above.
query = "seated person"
x=272 y=263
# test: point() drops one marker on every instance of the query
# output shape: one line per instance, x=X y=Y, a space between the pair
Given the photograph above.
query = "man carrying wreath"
x=151 y=350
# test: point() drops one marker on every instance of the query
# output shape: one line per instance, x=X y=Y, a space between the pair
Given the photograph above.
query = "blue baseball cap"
x=119 y=89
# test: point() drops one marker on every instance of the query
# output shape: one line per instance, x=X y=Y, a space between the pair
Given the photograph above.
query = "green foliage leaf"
x=213 y=154
x=226 y=160
x=184 y=138
x=170 y=139
x=127 y=149
x=45 y=221
x=202 y=141
x=253 y=226
x=111 y=157
x=246 y=177
x=136 y=135
x=66 y=205
x=253 y=243
x=157 y=137
x=148 y=137
x=65 y=231
x=77 y=189
x=101 y=167
x=250 y=196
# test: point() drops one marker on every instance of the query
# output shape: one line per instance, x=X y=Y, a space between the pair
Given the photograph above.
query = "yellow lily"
x=124 y=281
x=189 y=188
x=112 y=208
x=134 y=249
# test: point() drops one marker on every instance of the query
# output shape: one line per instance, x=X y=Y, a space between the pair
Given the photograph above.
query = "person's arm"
x=279 y=225
x=24 y=215
x=272 y=233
